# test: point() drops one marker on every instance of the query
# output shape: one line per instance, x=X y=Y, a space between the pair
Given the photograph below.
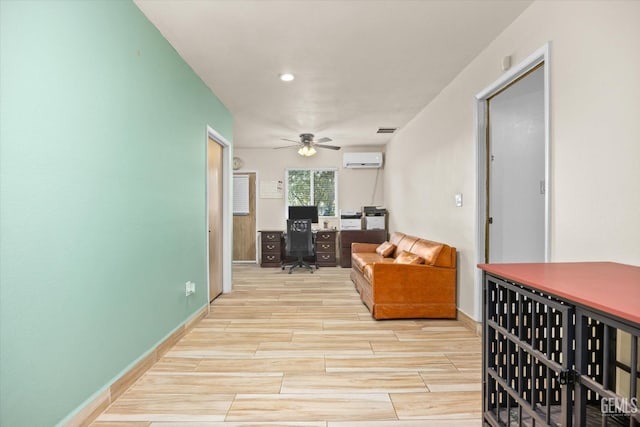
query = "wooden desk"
x=272 y=245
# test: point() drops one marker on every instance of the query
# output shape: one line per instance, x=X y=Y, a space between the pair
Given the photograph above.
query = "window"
x=318 y=187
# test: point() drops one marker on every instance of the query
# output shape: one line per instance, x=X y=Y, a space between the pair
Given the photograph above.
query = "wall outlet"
x=189 y=288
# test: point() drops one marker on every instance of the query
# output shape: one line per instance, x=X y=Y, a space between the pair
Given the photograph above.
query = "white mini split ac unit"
x=362 y=160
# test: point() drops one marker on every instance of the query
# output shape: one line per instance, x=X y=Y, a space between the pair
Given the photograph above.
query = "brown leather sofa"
x=400 y=291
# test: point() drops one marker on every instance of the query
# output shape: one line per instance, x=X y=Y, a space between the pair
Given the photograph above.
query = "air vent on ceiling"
x=386 y=130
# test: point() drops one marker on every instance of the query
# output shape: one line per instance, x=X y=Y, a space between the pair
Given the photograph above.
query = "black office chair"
x=299 y=243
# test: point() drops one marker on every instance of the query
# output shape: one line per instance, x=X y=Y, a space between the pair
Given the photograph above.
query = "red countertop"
x=604 y=286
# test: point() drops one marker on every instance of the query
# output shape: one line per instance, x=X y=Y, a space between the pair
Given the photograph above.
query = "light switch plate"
x=459 y=200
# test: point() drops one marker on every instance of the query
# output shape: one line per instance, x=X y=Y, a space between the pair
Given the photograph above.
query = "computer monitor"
x=304 y=212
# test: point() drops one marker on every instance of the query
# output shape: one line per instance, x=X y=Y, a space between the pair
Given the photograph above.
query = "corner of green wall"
x=102 y=198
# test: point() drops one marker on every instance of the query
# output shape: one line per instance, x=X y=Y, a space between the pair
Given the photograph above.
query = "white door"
x=516 y=231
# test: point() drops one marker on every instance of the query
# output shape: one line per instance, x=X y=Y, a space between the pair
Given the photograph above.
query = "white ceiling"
x=359 y=64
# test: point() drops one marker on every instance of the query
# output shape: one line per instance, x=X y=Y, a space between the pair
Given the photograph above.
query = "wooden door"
x=244 y=227
x=214 y=197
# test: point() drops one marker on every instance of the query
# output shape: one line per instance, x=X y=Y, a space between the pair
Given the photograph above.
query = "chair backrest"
x=299 y=237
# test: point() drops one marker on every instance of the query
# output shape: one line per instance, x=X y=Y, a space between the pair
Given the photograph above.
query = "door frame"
x=542 y=55
x=227 y=207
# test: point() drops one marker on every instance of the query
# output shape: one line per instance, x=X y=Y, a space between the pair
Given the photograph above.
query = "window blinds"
x=241 y=194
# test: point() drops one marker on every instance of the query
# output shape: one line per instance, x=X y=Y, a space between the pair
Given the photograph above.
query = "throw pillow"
x=405 y=257
x=385 y=249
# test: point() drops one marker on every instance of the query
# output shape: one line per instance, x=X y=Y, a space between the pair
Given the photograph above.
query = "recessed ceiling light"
x=287 y=77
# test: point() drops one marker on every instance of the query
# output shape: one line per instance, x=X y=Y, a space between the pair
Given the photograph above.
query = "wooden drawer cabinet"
x=326 y=248
x=271 y=244
x=347 y=237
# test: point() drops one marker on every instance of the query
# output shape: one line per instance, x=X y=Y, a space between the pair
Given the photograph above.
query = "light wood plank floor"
x=302 y=350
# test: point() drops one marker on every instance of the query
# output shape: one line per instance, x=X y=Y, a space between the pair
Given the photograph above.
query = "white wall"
x=356 y=187
x=595 y=139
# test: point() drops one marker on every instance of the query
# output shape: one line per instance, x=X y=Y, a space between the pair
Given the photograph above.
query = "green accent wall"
x=102 y=198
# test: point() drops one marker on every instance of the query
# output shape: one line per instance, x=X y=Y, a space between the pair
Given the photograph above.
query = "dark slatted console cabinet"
x=560 y=344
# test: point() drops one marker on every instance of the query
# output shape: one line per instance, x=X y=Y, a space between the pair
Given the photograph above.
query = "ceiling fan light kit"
x=308 y=143
x=307 y=151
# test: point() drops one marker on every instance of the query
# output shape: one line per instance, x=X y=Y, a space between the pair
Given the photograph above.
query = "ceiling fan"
x=307 y=144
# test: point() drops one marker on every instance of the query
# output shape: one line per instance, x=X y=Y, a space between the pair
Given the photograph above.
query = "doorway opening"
x=515 y=171
x=508 y=241
x=218 y=213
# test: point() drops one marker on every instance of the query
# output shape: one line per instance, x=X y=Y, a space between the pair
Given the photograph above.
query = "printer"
x=350 y=220
x=375 y=218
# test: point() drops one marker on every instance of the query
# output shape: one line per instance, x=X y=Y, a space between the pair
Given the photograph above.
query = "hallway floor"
x=302 y=350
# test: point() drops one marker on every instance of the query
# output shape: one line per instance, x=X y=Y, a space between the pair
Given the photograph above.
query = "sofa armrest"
x=364 y=247
x=407 y=283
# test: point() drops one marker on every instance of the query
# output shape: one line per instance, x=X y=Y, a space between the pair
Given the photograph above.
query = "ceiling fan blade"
x=330 y=147
x=286 y=146
x=325 y=139
x=291 y=140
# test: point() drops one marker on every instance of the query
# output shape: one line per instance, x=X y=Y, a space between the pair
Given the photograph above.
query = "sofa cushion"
x=405 y=257
x=405 y=244
x=428 y=250
x=385 y=249
x=447 y=257
x=367 y=270
x=360 y=259
x=396 y=236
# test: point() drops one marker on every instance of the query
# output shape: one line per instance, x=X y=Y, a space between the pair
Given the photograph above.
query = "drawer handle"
x=271 y=237
x=326 y=246
x=271 y=257
x=271 y=246
x=326 y=256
